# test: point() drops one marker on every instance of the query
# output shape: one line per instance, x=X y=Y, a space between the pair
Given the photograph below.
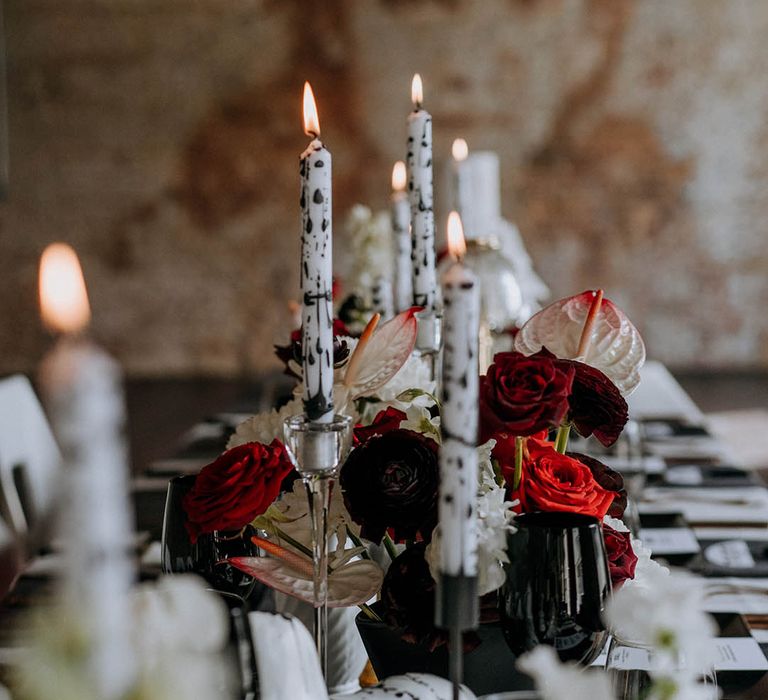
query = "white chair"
x=29 y=456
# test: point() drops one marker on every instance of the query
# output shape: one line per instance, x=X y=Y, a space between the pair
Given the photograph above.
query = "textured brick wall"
x=161 y=138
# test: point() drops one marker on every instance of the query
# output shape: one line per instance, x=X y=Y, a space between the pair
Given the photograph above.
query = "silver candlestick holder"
x=317 y=450
x=429 y=339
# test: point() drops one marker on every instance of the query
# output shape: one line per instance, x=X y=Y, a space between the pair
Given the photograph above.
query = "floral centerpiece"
x=571 y=366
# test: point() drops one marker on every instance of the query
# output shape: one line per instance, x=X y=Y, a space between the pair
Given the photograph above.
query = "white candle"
x=477 y=189
x=401 y=233
x=381 y=297
x=316 y=269
x=81 y=386
x=459 y=415
x=420 y=196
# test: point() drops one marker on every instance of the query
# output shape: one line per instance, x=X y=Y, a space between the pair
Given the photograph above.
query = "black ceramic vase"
x=205 y=557
x=557 y=585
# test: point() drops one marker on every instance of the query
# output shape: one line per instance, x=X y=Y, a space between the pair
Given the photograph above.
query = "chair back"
x=29 y=456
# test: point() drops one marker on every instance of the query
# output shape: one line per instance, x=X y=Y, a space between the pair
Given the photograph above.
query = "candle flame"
x=457 y=247
x=398 y=176
x=311 y=120
x=63 y=297
x=460 y=150
x=417 y=91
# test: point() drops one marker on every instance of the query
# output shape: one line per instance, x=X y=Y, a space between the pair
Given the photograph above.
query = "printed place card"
x=670 y=540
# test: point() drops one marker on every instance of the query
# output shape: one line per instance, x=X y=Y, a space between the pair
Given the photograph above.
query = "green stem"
x=518 y=463
x=369 y=612
x=389 y=545
x=358 y=543
x=294 y=543
x=561 y=441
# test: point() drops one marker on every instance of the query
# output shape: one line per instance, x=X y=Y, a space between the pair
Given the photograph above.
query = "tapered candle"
x=460 y=151
x=419 y=162
x=316 y=269
x=81 y=387
x=401 y=233
x=459 y=415
x=381 y=297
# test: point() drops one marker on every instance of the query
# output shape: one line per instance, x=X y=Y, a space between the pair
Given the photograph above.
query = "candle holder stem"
x=316 y=450
x=429 y=340
x=318 y=494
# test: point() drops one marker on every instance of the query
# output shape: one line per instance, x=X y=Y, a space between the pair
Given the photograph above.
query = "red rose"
x=386 y=420
x=609 y=479
x=239 y=485
x=621 y=557
x=523 y=395
x=555 y=482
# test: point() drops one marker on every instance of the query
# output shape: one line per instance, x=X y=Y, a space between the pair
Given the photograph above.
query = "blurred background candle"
x=82 y=389
x=316 y=269
x=381 y=297
x=458 y=454
x=401 y=233
x=419 y=162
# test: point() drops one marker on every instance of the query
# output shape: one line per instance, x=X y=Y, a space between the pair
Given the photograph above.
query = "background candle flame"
x=417 y=91
x=460 y=150
x=311 y=120
x=457 y=247
x=63 y=297
x=398 y=176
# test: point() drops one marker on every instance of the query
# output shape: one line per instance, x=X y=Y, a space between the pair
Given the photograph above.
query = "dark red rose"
x=596 y=406
x=609 y=479
x=390 y=481
x=523 y=395
x=239 y=485
x=555 y=482
x=386 y=420
x=622 y=559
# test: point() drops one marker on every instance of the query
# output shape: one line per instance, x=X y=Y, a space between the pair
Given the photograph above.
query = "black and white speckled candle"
x=317 y=279
x=420 y=195
x=459 y=417
x=381 y=297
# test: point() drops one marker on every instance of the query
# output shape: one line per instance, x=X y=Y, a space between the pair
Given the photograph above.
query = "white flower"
x=615 y=523
x=494 y=523
x=420 y=420
x=369 y=248
x=665 y=613
x=414 y=374
x=264 y=427
x=555 y=680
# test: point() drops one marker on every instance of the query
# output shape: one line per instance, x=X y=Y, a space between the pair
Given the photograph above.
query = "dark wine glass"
x=557 y=584
x=204 y=557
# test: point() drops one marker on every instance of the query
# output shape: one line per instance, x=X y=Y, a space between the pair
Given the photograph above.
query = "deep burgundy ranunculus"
x=556 y=482
x=390 y=481
x=386 y=420
x=595 y=405
x=609 y=479
x=408 y=596
x=239 y=485
x=622 y=559
x=523 y=395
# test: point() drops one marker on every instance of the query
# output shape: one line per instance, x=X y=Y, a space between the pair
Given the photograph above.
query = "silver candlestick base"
x=429 y=339
x=317 y=450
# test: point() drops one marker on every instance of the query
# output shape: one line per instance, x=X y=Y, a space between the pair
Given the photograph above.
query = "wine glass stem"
x=318 y=492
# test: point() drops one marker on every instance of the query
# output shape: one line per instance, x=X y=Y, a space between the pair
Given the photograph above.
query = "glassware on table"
x=317 y=450
x=557 y=583
x=629 y=665
x=205 y=556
